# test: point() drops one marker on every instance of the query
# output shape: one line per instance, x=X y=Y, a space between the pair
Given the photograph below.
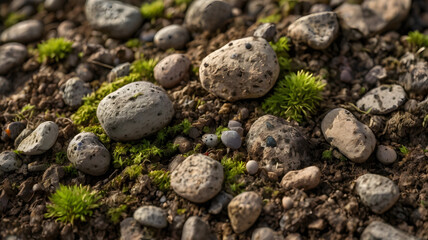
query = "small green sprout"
x=126 y=154
x=274 y=18
x=181 y=211
x=161 y=179
x=54 y=49
x=424 y=122
x=71 y=203
x=14 y=18
x=133 y=43
x=281 y=48
x=327 y=155
x=232 y=171
x=403 y=149
x=115 y=214
x=417 y=39
x=152 y=10
x=60 y=157
x=287 y=5
x=295 y=97
x=99 y=131
x=134 y=171
x=144 y=67
x=219 y=130
x=26 y=113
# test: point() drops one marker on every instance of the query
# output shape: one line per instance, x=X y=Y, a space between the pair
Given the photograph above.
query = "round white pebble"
x=386 y=154
x=252 y=167
x=287 y=203
x=211 y=140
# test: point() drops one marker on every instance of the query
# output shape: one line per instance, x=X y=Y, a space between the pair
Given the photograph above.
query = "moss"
x=152 y=10
x=181 y=211
x=180 y=2
x=295 y=96
x=417 y=39
x=273 y=18
x=70 y=170
x=171 y=131
x=232 y=171
x=281 y=48
x=99 y=131
x=116 y=214
x=60 y=157
x=54 y=49
x=144 y=67
x=26 y=113
x=14 y=18
x=133 y=43
x=196 y=149
x=161 y=179
x=404 y=150
x=219 y=130
x=327 y=154
x=134 y=171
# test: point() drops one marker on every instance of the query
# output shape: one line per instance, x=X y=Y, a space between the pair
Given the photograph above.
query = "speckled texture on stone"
x=290 y=151
x=74 y=90
x=211 y=140
x=383 y=99
x=353 y=139
x=386 y=154
x=265 y=233
x=244 y=210
x=382 y=231
x=266 y=31
x=382 y=15
x=207 y=15
x=119 y=71
x=88 y=154
x=171 y=70
x=307 y=178
x=317 y=30
x=375 y=74
x=417 y=80
x=23 y=32
x=351 y=18
x=115 y=18
x=242 y=69
x=134 y=111
x=172 y=36
x=151 y=216
x=377 y=192
x=196 y=229
x=11 y=55
x=9 y=161
x=198 y=178
x=40 y=140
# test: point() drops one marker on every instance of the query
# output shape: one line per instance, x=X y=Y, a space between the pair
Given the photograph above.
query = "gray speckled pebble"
x=207 y=15
x=318 y=30
x=375 y=74
x=266 y=31
x=382 y=231
x=40 y=140
x=11 y=55
x=231 y=139
x=252 y=167
x=386 y=154
x=172 y=36
x=197 y=229
x=244 y=210
x=383 y=99
x=377 y=192
x=198 y=178
x=9 y=161
x=119 y=71
x=171 y=70
x=219 y=202
x=115 y=18
x=23 y=32
x=134 y=111
x=211 y=140
x=74 y=90
x=88 y=154
x=151 y=216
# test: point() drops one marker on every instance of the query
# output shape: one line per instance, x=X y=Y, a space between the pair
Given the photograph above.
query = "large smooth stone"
x=23 y=32
x=377 y=230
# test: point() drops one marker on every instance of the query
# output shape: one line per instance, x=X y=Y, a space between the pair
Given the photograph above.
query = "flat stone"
x=382 y=15
x=242 y=69
x=134 y=111
x=377 y=192
x=151 y=216
x=277 y=144
x=307 y=178
x=23 y=32
x=353 y=139
x=375 y=74
x=74 y=90
x=196 y=229
x=130 y=229
x=266 y=31
x=171 y=70
x=265 y=233
x=317 y=30
x=172 y=36
x=115 y=18
x=386 y=154
x=40 y=140
x=351 y=19
x=383 y=99
x=244 y=210
x=383 y=231
x=9 y=161
x=198 y=178
x=207 y=15
x=219 y=202
x=88 y=154
x=11 y=55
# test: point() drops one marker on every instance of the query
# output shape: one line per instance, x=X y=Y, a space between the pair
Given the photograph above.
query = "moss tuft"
x=417 y=39
x=161 y=179
x=116 y=214
x=281 y=48
x=14 y=18
x=54 y=49
x=233 y=169
x=152 y=10
x=273 y=18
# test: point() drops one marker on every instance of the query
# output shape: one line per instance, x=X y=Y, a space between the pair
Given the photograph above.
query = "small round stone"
x=172 y=36
x=211 y=140
x=252 y=167
x=173 y=69
x=207 y=15
x=196 y=229
x=244 y=210
x=151 y=216
x=9 y=161
x=11 y=55
x=74 y=90
x=287 y=203
x=231 y=139
x=233 y=123
x=386 y=154
x=266 y=31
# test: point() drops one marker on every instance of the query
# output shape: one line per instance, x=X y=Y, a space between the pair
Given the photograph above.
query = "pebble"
x=74 y=90
x=117 y=19
x=5 y=86
x=172 y=36
x=197 y=229
x=376 y=74
x=277 y=144
x=252 y=167
x=266 y=31
x=9 y=161
x=88 y=154
x=382 y=231
x=287 y=203
x=419 y=79
x=11 y=55
x=121 y=70
x=173 y=69
x=211 y=140
x=265 y=233
x=383 y=99
x=242 y=69
x=13 y=129
x=382 y=15
x=25 y=133
x=317 y=30
x=40 y=140
x=231 y=139
x=377 y=192
x=233 y=124
x=307 y=178
x=83 y=71
x=198 y=178
x=151 y=216
x=207 y=15
x=134 y=111
x=319 y=7
x=130 y=229
x=244 y=210
x=219 y=202
x=65 y=29
x=37 y=167
x=23 y=32
x=54 y=5
x=353 y=139
x=386 y=154
x=351 y=18
x=184 y=144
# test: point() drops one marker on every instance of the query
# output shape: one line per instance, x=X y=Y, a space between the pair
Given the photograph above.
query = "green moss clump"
x=327 y=154
x=152 y=10
x=115 y=214
x=417 y=39
x=281 y=48
x=14 y=18
x=295 y=97
x=233 y=169
x=71 y=203
x=54 y=49
x=133 y=43
x=60 y=157
x=134 y=171
x=161 y=179
x=180 y=2
x=144 y=67
x=274 y=18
